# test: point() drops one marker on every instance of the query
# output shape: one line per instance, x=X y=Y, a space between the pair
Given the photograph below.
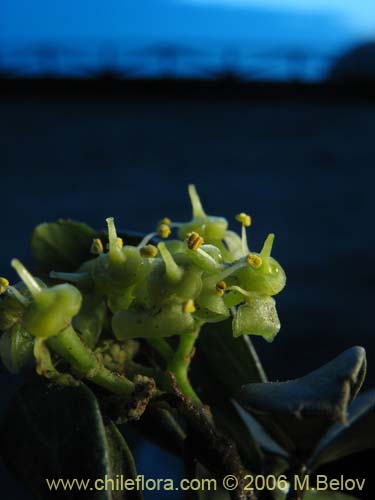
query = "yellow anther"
x=189 y=306
x=167 y=221
x=164 y=231
x=149 y=251
x=254 y=260
x=245 y=219
x=194 y=241
x=221 y=287
x=4 y=283
x=96 y=246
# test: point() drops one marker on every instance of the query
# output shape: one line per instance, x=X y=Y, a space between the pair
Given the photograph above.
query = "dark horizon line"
x=189 y=88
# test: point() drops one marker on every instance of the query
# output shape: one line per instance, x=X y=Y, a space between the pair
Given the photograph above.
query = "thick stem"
x=179 y=364
x=216 y=451
x=83 y=361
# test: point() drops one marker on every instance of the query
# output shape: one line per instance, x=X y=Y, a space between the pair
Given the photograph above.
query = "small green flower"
x=264 y=274
x=51 y=309
x=209 y=227
x=172 y=319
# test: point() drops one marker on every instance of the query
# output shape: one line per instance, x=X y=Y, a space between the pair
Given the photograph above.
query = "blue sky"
x=41 y=19
x=360 y=14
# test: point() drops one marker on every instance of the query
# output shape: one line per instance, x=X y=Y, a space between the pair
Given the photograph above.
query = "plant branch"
x=180 y=363
x=83 y=361
x=214 y=450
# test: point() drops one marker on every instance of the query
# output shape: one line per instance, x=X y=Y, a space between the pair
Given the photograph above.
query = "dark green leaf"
x=299 y=412
x=16 y=349
x=262 y=438
x=57 y=432
x=232 y=361
x=65 y=244
x=121 y=461
x=61 y=246
x=357 y=435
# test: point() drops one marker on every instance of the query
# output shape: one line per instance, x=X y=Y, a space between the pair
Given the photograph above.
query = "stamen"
x=164 y=231
x=240 y=290
x=166 y=220
x=194 y=241
x=96 y=246
x=149 y=251
x=146 y=240
x=245 y=248
x=26 y=277
x=254 y=260
x=232 y=269
x=195 y=202
x=245 y=219
x=221 y=286
x=189 y=306
x=4 y=283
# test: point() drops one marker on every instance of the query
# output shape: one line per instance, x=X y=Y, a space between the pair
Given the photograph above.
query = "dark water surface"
x=304 y=170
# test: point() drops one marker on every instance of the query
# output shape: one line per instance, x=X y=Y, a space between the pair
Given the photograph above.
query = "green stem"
x=83 y=361
x=179 y=364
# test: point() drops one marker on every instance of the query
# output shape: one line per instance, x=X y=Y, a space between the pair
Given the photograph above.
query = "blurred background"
x=268 y=106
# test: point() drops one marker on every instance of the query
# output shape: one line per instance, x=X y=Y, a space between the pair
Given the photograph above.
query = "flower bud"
x=173 y=278
x=165 y=322
x=208 y=227
x=257 y=317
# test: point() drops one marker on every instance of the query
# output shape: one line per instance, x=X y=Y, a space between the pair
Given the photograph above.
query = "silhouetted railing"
x=163 y=60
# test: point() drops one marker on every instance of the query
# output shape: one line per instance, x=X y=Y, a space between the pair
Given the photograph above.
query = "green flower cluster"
x=162 y=287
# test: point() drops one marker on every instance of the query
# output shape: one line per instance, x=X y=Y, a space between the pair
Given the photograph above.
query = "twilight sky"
x=221 y=19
